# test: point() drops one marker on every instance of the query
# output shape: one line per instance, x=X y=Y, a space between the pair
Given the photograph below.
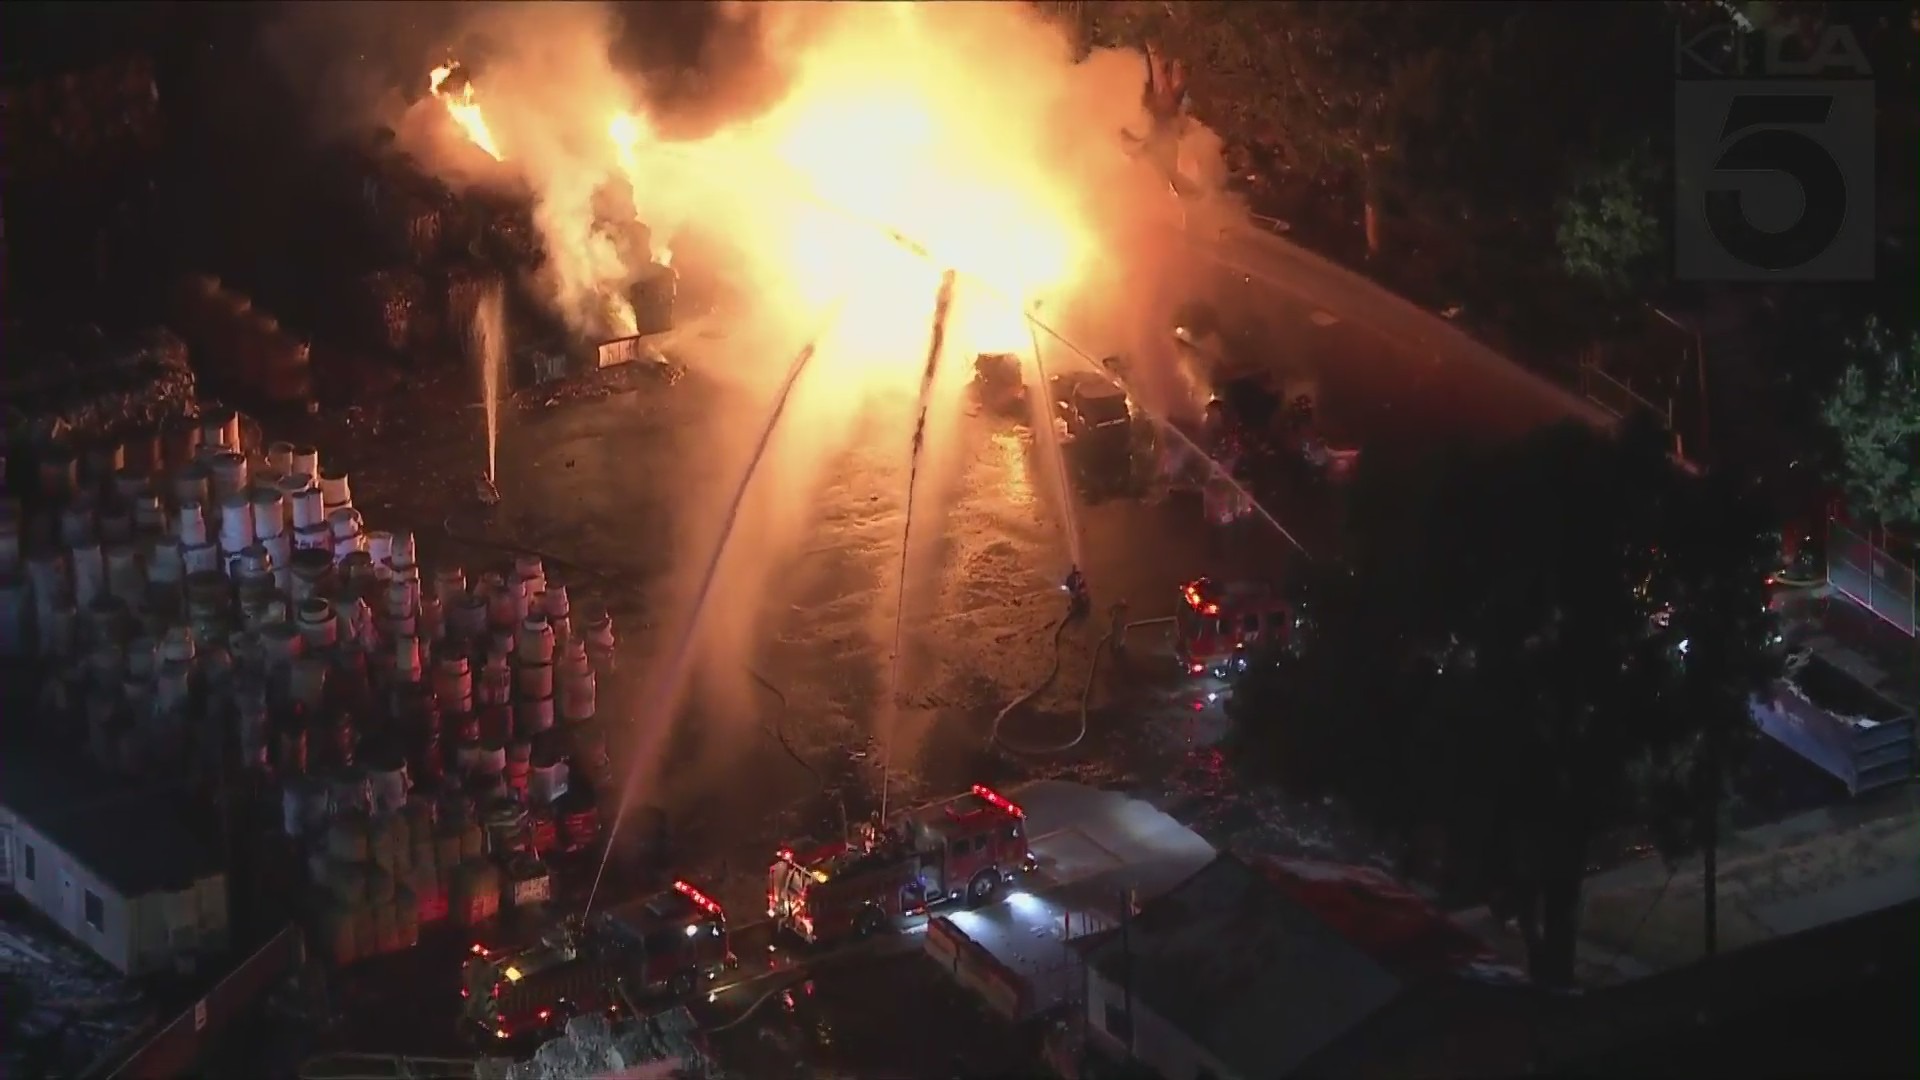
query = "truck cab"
x=1219 y=627
x=963 y=848
x=672 y=941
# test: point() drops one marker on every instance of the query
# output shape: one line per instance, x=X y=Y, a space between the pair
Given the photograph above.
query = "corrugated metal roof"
x=133 y=838
x=1388 y=921
x=1246 y=971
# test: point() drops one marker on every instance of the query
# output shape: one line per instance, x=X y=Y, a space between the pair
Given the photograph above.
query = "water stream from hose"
x=655 y=717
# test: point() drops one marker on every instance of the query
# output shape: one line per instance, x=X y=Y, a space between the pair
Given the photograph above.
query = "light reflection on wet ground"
x=600 y=480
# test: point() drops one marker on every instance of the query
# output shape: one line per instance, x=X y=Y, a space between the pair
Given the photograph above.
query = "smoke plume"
x=817 y=155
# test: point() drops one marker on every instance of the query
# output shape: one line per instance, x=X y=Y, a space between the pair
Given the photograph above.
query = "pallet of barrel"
x=382 y=889
x=346 y=922
x=338 y=926
x=390 y=844
x=474 y=892
x=578 y=815
x=525 y=882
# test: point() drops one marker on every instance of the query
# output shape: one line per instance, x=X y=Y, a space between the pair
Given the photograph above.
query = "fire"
x=462 y=107
x=888 y=161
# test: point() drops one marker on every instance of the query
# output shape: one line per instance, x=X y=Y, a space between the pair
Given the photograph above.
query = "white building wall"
x=135 y=937
x=1157 y=1044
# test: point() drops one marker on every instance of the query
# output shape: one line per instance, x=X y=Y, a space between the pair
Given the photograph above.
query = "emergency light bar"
x=998 y=801
x=1197 y=599
x=700 y=900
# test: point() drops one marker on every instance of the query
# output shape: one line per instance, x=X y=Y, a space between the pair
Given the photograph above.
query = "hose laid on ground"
x=994 y=738
x=1053 y=672
x=1086 y=693
x=779 y=727
x=755 y=1007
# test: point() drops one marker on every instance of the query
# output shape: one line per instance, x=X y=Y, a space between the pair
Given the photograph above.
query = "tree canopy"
x=1531 y=647
x=1875 y=414
x=1610 y=234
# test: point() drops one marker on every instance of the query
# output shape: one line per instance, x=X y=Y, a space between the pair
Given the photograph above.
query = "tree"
x=1532 y=647
x=1875 y=413
x=1608 y=233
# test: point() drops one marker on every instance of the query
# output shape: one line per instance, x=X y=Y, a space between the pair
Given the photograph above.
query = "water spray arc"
x=658 y=705
x=487 y=335
x=1046 y=440
x=936 y=347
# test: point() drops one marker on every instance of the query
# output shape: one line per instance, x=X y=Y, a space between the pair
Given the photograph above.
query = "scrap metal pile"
x=395 y=315
x=63 y=1009
x=439 y=253
x=95 y=387
x=667 y=1044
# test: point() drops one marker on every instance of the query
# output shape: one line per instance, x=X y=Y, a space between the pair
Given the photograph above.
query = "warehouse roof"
x=1245 y=971
x=134 y=838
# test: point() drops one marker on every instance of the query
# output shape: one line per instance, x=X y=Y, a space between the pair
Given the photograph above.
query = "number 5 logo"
x=1765 y=134
x=1775 y=180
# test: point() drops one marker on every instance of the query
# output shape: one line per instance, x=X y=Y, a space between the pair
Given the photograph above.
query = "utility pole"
x=1711 y=860
x=1710 y=869
x=1126 y=963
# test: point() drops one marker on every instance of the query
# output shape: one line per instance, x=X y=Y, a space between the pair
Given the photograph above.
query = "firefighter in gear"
x=1076 y=589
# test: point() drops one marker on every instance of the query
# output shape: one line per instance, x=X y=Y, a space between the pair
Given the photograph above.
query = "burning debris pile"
x=395 y=310
x=94 y=387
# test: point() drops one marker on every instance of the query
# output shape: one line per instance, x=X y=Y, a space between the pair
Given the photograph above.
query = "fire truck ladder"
x=347 y=1066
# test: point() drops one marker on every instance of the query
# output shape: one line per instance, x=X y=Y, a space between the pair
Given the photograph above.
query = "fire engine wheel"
x=681 y=985
x=982 y=887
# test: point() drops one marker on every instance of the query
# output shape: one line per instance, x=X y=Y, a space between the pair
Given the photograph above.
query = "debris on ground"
x=90 y=385
x=61 y=1010
x=665 y=1045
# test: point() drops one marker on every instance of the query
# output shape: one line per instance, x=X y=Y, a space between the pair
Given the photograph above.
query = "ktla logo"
x=1773 y=156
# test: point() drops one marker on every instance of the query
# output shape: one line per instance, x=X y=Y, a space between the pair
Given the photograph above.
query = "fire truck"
x=1219 y=627
x=965 y=847
x=671 y=941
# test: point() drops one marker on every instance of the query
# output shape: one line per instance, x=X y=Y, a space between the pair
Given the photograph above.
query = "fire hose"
x=746 y=1015
x=995 y=738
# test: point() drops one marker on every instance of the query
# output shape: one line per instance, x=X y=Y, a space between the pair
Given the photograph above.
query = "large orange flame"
x=887 y=162
x=463 y=108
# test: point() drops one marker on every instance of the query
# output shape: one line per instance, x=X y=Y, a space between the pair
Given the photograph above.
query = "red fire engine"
x=670 y=942
x=966 y=846
x=1220 y=625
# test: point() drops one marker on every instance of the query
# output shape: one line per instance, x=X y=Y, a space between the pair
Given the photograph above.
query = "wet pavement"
x=608 y=475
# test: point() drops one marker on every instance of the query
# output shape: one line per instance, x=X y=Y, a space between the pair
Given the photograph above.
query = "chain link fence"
x=1871 y=576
